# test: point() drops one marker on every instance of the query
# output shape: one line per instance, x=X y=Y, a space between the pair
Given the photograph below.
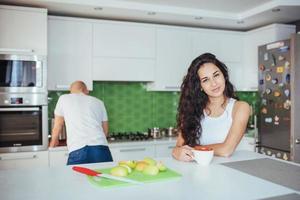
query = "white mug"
x=203 y=156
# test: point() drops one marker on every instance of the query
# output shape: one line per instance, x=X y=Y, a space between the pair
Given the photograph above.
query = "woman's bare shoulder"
x=241 y=107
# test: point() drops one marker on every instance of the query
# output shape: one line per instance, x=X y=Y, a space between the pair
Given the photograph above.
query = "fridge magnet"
x=268 y=120
x=287 y=92
x=264 y=111
x=276 y=120
x=280 y=58
x=274 y=60
x=283 y=49
x=262 y=67
x=278 y=106
x=288 y=78
x=277 y=94
x=268 y=91
x=287 y=64
x=264 y=101
x=275 y=81
x=281 y=84
x=261 y=81
x=278 y=155
x=287 y=104
x=266 y=56
x=268 y=70
x=285 y=157
x=279 y=69
x=268 y=77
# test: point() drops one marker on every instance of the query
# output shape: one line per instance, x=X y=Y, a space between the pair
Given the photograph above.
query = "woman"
x=209 y=113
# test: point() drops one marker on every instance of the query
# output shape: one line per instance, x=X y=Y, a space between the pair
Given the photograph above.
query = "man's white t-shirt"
x=83 y=115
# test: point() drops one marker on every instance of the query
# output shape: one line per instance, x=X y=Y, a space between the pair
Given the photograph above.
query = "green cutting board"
x=135 y=175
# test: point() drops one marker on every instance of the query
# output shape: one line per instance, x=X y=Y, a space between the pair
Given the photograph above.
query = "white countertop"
x=212 y=182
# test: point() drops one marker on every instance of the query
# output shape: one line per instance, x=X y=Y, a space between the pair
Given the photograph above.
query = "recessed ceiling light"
x=98 y=8
x=151 y=13
x=275 y=9
x=240 y=22
x=198 y=18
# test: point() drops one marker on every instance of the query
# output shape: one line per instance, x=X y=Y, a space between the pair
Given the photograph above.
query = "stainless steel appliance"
x=23 y=122
x=279 y=109
x=23 y=74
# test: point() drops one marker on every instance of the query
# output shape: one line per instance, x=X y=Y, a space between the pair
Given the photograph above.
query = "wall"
x=131 y=108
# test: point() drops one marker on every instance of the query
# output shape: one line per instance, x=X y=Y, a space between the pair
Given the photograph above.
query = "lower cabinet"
x=137 y=152
x=164 y=150
x=23 y=160
x=58 y=158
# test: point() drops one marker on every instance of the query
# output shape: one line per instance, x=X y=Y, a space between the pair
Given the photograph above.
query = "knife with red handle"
x=91 y=172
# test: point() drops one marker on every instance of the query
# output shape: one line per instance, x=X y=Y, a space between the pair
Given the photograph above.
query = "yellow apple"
x=119 y=171
x=140 y=165
x=150 y=161
x=161 y=166
x=129 y=170
x=151 y=170
x=129 y=163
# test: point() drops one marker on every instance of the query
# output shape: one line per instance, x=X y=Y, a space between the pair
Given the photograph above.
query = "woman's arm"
x=240 y=116
x=182 y=152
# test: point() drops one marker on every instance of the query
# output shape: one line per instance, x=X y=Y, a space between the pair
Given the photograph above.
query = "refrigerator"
x=278 y=120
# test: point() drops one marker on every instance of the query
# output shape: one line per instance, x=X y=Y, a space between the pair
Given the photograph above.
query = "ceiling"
x=221 y=14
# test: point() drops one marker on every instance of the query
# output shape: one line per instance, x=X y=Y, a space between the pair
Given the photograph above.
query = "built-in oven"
x=23 y=122
x=23 y=73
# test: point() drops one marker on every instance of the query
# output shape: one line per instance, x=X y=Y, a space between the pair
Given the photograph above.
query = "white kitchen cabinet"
x=123 y=51
x=252 y=40
x=134 y=152
x=164 y=150
x=226 y=45
x=173 y=57
x=23 y=30
x=24 y=160
x=58 y=157
x=69 y=53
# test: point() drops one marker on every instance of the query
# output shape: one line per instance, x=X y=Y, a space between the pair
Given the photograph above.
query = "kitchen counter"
x=165 y=140
x=212 y=182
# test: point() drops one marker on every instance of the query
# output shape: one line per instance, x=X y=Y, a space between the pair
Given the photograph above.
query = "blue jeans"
x=90 y=154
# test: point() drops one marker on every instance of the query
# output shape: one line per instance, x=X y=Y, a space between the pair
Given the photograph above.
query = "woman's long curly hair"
x=193 y=100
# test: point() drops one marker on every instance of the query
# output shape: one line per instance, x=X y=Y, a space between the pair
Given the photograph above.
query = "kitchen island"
x=215 y=181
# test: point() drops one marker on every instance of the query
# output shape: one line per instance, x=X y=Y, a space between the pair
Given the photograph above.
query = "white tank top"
x=215 y=129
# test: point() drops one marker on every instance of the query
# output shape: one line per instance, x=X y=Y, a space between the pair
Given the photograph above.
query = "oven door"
x=22 y=128
x=22 y=73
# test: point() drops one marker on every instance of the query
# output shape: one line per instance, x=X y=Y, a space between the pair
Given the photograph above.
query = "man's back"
x=83 y=116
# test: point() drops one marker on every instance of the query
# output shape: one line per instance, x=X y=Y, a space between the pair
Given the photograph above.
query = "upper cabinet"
x=23 y=30
x=123 y=51
x=252 y=40
x=69 y=53
x=173 y=56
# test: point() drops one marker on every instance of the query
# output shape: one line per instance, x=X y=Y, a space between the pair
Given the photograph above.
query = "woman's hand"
x=183 y=153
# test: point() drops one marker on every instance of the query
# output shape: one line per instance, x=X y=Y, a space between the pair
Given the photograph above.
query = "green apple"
x=129 y=163
x=161 y=166
x=119 y=171
x=140 y=165
x=150 y=161
x=129 y=170
x=151 y=170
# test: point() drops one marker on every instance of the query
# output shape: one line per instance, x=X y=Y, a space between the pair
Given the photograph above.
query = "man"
x=86 y=124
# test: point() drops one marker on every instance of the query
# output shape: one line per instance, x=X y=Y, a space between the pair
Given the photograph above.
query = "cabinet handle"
x=171 y=147
x=130 y=150
x=172 y=87
x=17 y=50
x=19 y=158
x=62 y=86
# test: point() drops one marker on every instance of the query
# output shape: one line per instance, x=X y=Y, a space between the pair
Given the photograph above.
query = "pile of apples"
x=148 y=166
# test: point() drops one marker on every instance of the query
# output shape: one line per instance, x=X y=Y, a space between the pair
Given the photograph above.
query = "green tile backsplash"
x=131 y=108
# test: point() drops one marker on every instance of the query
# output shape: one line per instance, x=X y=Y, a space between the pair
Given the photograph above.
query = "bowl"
x=203 y=155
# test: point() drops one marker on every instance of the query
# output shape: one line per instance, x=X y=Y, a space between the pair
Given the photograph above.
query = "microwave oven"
x=23 y=73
